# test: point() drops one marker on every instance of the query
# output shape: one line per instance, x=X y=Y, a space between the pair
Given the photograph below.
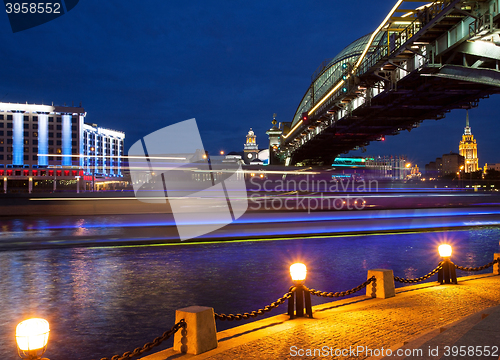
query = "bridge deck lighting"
x=32 y=336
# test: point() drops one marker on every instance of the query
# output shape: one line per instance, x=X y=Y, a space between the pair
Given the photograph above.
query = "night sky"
x=138 y=66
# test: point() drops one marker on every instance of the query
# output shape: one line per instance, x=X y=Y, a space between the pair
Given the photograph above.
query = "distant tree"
x=492 y=174
x=476 y=175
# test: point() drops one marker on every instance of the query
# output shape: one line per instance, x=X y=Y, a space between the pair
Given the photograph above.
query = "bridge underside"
x=426 y=93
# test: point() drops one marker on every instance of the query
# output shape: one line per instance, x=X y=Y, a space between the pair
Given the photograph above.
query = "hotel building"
x=38 y=142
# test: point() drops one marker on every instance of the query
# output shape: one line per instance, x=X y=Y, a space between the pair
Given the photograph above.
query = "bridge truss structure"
x=420 y=63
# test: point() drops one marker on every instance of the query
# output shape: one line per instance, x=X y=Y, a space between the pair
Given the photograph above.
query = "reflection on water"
x=100 y=302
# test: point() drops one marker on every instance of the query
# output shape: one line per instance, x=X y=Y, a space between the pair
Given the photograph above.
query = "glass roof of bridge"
x=356 y=48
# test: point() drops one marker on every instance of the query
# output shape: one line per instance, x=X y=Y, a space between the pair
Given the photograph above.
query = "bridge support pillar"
x=200 y=334
x=383 y=286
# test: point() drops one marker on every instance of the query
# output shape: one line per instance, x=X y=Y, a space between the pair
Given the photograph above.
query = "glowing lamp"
x=444 y=250
x=447 y=274
x=298 y=272
x=32 y=336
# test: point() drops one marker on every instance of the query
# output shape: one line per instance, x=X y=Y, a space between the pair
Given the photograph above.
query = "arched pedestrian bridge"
x=420 y=63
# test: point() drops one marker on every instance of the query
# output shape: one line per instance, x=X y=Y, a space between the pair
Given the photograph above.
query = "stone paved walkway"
x=363 y=324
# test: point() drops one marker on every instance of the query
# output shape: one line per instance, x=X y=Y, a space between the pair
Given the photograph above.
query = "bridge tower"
x=251 y=149
x=468 y=148
x=274 y=142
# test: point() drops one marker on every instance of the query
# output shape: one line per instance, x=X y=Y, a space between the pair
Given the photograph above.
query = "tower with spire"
x=251 y=149
x=468 y=148
x=274 y=141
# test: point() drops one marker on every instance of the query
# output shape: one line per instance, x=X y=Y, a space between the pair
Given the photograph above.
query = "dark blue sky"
x=140 y=66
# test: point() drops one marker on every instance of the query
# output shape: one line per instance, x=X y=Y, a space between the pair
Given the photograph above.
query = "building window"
x=35 y=157
x=26 y=126
x=59 y=135
x=1 y=157
x=51 y=134
x=9 y=125
x=26 y=157
x=1 y=132
x=59 y=119
x=59 y=142
x=26 y=142
x=35 y=142
x=26 y=149
x=59 y=150
x=26 y=133
x=9 y=157
x=1 y=141
x=73 y=128
x=9 y=117
x=51 y=127
x=1 y=125
x=74 y=120
x=51 y=150
x=9 y=148
x=73 y=143
x=26 y=118
x=51 y=119
x=9 y=133
x=35 y=118
x=35 y=150
x=1 y=148
x=9 y=141
x=59 y=127
x=35 y=126
x=51 y=142
x=1 y=117
x=35 y=133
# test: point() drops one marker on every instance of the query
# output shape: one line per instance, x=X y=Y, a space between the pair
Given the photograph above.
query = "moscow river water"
x=105 y=301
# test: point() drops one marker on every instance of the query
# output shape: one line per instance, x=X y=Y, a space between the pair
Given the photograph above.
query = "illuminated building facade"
x=42 y=144
x=251 y=149
x=102 y=150
x=468 y=149
x=29 y=133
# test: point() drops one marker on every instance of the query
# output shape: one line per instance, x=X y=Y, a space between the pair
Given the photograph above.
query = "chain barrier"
x=148 y=346
x=244 y=316
x=422 y=278
x=479 y=268
x=342 y=293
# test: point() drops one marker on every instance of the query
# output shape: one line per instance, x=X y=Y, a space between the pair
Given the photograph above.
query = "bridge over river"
x=421 y=62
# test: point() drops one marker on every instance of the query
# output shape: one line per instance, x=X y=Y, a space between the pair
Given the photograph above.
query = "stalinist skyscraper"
x=468 y=148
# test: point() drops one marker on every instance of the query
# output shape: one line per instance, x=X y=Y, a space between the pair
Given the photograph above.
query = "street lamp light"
x=447 y=274
x=32 y=336
x=298 y=272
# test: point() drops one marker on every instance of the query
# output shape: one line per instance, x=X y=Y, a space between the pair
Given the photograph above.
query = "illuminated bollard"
x=200 y=334
x=383 y=286
x=300 y=293
x=496 y=267
x=447 y=274
x=32 y=337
